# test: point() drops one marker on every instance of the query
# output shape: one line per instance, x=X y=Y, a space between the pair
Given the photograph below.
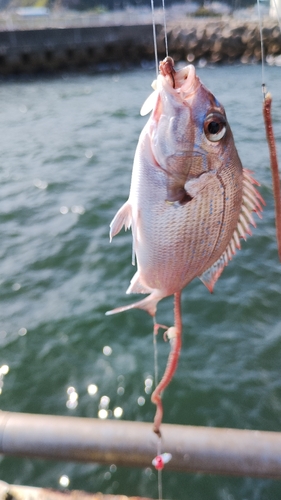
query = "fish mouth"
x=184 y=81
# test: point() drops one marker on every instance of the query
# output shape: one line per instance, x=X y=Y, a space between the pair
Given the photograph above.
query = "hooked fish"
x=190 y=199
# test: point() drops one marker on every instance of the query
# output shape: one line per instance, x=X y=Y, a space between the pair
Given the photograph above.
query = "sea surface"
x=67 y=147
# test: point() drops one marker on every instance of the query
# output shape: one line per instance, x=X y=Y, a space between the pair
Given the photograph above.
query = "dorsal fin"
x=251 y=202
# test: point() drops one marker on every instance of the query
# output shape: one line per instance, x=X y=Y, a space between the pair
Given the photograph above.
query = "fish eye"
x=215 y=127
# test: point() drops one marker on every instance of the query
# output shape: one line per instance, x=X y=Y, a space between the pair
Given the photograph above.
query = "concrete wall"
x=73 y=48
x=215 y=40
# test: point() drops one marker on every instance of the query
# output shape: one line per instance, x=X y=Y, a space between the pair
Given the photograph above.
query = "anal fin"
x=137 y=287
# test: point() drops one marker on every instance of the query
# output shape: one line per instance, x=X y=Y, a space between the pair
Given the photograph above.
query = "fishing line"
x=165 y=27
x=267 y=100
x=155 y=326
x=156 y=371
x=154 y=36
x=156 y=379
x=154 y=33
x=262 y=52
x=159 y=475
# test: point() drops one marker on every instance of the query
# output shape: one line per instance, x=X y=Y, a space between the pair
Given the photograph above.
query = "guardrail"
x=194 y=449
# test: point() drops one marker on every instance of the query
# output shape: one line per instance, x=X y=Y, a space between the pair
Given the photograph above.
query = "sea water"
x=67 y=148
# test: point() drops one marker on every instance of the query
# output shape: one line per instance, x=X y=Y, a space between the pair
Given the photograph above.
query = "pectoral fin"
x=194 y=186
x=149 y=104
x=122 y=218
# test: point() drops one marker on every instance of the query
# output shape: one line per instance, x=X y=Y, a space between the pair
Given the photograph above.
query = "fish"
x=190 y=199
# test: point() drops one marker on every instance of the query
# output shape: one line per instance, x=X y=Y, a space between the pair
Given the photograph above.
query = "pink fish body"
x=190 y=200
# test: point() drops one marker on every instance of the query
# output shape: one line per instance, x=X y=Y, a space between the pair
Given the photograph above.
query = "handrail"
x=124 y=443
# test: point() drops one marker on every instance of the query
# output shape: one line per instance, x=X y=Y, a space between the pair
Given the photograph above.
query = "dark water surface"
x=67 y=150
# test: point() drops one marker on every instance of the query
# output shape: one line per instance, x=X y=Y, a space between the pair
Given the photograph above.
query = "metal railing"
x=193 y=449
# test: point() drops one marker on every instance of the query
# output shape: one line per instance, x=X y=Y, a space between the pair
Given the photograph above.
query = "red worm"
x=274 y=167
x=172 y=364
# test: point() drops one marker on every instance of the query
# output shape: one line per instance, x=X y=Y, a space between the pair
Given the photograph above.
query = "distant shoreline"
x=196 y=40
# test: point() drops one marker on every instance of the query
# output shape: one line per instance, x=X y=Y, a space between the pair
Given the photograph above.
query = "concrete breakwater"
x=224 y=41
x=214 y=40
x=30 y=51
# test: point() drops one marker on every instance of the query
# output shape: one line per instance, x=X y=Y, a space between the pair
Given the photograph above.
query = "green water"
x=67 y=148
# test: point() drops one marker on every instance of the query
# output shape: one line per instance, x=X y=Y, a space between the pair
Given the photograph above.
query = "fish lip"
x=185 y=82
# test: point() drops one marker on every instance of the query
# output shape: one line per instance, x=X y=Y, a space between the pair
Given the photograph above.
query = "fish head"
x=188 y=129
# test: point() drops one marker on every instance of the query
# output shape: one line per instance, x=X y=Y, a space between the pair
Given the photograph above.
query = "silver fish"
x=190 y=200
